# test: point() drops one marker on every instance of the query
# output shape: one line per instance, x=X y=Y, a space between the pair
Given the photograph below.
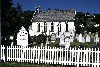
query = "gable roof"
x=55 y=15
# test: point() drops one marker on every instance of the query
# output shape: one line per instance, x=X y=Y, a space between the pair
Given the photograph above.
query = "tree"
x=32 y=39
x=88 y=22
x=49 y=9
x=6 y=12
x=27 y=17
x=41 y=38
x=11 y=19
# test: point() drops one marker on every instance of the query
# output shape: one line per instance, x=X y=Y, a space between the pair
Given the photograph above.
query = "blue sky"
x=92 y=6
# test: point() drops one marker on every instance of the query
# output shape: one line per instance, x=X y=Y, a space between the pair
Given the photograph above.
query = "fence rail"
x=64 y=56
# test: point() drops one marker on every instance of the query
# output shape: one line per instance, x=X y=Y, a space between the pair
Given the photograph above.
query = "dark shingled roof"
x=55 y=15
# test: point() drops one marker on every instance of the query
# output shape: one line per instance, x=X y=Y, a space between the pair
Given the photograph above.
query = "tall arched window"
x=52 y=27
x=66 y=26
x=38 y=27
x=60 y=27
x=45 y=26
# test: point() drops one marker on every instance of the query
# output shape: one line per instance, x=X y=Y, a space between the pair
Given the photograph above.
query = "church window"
x=23 y=35
x=66 y=27
x=38 y=27
x=45 y=26
x=52 y=27
x=60 y=27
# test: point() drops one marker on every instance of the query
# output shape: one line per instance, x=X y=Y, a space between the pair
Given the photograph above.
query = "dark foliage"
x=41 y=38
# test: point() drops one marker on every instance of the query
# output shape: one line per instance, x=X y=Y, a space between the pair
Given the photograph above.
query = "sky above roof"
x=91 y=6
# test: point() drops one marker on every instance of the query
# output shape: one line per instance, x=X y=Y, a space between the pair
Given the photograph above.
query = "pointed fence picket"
x=64 y=56
x=2 y=52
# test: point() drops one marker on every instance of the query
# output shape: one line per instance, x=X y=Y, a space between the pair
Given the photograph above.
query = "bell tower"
x=37 y=9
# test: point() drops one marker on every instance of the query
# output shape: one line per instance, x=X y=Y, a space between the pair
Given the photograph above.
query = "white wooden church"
x=52 y=21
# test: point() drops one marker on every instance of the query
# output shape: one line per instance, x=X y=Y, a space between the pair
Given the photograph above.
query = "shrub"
x=41 y=38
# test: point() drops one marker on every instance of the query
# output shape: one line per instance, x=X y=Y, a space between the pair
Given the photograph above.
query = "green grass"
x=75 y=43
x=15 y=64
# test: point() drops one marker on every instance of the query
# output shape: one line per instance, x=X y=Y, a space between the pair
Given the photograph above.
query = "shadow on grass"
x=16 y=64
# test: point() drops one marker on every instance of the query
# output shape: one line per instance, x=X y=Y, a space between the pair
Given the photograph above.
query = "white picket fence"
x=68 y=56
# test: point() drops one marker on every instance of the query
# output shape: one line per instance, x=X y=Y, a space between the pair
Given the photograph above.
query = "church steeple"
x=37 y=9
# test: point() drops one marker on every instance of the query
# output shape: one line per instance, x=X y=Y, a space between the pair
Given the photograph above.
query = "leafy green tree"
x=88 y=21
x=41 y=38
x=32 y=39
x=97 y=20
x=11 y=19
x=6 y=12
x=26 y=19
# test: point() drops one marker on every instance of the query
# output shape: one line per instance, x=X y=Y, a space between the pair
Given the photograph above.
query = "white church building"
x=52 y=21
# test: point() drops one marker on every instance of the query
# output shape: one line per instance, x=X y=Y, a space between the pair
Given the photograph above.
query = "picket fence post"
x=98 y=58
x=39 y=55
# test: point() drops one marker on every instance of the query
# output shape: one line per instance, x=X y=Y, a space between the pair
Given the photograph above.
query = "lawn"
x=15 y=64
x=74 y=43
